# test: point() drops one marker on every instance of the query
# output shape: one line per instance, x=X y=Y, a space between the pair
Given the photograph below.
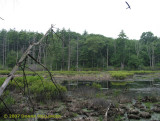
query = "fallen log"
x=106 y=114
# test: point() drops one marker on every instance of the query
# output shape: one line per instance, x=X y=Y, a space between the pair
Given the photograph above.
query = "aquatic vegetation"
x=100 y=95
x=118 y=118
x=124 y=74
x=96 y=85
x=120 y=74
x=121 y=83
x=157 y=79
x=116 y=92
x=148 y=105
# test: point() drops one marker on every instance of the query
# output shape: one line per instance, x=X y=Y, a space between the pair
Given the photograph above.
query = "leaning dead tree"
x=23 y=59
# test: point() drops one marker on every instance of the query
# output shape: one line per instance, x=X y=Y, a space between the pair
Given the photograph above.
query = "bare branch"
x=11 y=75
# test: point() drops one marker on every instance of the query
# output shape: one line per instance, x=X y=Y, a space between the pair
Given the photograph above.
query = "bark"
x=77 y=54
x=137 y=48
x=149 y=55
x=39 y=54
x=63 y=52
x=69 y=54
x=107 y=57
x=4 y=51
x=106 y=114
x=115 y=49
x=153 y=57
x=17 y=53
x=44 y=55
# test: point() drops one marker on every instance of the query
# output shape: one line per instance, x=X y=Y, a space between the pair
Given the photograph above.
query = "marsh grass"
x=122 y=83
x=41 y=91
x=124 y=74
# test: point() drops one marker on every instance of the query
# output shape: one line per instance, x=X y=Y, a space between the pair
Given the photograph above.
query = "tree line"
x=68 y=50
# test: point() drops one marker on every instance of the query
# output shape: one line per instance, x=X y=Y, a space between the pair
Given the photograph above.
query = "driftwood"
x=106 y=114
x=11 y=75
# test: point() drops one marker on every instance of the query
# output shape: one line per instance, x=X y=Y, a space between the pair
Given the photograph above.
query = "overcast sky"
x=106 y=17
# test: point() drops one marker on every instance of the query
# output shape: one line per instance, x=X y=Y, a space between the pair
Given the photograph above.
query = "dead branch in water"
x=106 y=114
x=24 y=56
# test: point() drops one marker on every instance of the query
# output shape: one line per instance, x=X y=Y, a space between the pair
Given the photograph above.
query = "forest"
x=68 y=50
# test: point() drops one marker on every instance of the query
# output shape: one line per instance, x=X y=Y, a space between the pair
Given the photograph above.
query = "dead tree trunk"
x=137 y=48
x=153 y=57
x=107 y=57
x=4 y=51
x=77 y=54
x=27 y=52
x=149 y=55
x=69 y=53
x=62 y=67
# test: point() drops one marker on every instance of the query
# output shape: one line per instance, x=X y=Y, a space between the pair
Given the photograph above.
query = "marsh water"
x=140 y=85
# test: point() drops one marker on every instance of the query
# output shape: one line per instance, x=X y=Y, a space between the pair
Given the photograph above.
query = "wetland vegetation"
x=86 y=99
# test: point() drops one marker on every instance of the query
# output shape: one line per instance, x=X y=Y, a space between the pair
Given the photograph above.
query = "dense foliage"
x=71 y=51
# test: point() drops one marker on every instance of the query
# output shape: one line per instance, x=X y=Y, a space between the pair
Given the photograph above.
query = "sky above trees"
x=106 y=17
